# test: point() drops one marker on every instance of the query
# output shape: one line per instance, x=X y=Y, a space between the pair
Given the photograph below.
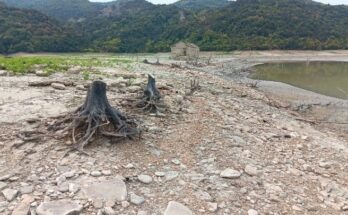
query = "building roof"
x=184 y=45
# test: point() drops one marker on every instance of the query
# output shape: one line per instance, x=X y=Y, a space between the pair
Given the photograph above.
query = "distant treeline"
x=138 y=26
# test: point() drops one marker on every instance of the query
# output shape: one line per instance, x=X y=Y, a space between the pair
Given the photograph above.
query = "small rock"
x=176 y=208
x=80 y=87
x=146 y=179
x=73 y=188
x=160 y=174
x=109 y=211
x=60 y=180
x=238 y=141
x=3 y=73
x=24 y=206
x=96 y=174
x=230 y=173
x=134 y=89
x=10 y=194
x=179 y=99
x=58 y=86
x=26 y=189
x=252 y=212
x=64 y=187
x=125 y=204
x=325 y=165
x=212 y=206
x=345 y=208
x=60 y=207
x=137 y=200
x=2 y=185
x=176 y=161
x=69 y=174
x=106 y=172
x=129 y=166
x=109 y=191
x=251 y=170
x=41 y=73
x=5 y=177
x=142 y=213
x=171 y=175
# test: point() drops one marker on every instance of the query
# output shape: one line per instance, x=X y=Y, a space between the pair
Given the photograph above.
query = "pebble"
x=125 y=204
x=135 y=199
x=2 y=185
x=109 y=211
x=41 y=73
x=129 y=166
x=252 y=212
x=134 y=89
x=64 y=187
x=26 y=189
x=58 y=86
x=80 y=87
x=69 y=174
x=171 y=175
x=160 y=174
x=10 y=194
x=176 y=161
x=96 y=174
x=73 y=188
x=176 y=208
x=142 y=213
x=212 y=206
x=251 y=170
x=106 y=172
x=60 y=180
x=5 y=177
x=146 y=179
x=230 y=173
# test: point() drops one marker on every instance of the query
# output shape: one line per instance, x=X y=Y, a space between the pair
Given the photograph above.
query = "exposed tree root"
x=96 y=116
x=194 y=87
x=151 y=101
x=48 y=83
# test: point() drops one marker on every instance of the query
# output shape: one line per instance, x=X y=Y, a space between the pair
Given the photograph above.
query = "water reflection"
x=328 y=78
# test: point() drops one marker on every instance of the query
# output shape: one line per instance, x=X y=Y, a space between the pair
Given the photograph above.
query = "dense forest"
x=30 y=31
x=139 y=26
x=201 y=4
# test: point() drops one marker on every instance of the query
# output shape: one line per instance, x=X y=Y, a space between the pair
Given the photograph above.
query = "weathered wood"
x=151 y=100
x=96 y=115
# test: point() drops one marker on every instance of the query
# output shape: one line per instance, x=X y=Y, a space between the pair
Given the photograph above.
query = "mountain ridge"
x=139 y=26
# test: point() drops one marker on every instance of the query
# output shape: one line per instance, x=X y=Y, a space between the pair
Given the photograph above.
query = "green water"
x=327 y=78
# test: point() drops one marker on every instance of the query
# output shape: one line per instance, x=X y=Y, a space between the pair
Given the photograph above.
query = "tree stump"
x=151 y=101
x=95 y=116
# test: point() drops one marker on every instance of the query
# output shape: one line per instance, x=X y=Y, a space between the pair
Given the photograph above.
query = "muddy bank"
x=330 y=113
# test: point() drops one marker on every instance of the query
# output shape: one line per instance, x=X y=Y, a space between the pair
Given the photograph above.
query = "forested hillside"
x=139 y=26
x=201 y=4
x=31 y=31
x=62 y=10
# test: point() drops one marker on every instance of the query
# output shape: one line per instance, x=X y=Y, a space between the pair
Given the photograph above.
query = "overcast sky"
x=171 y=1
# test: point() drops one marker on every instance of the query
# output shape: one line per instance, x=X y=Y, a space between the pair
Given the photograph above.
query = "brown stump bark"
x=151 y=101
x=96 y=115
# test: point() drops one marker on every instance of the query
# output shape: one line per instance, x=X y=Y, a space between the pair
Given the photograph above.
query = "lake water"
x=327 y=78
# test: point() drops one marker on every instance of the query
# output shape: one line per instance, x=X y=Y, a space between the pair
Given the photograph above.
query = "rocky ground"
x=227 y=149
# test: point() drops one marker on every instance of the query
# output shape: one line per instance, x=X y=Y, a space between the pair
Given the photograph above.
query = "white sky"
x=171 y=1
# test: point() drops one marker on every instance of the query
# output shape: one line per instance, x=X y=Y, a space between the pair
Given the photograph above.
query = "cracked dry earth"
x=223 y=150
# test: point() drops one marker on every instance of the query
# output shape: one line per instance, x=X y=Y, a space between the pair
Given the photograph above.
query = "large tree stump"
x=96 y=115
x=151 y=101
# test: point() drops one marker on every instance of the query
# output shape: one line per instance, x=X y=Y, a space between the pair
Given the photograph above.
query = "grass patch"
x=52 y=64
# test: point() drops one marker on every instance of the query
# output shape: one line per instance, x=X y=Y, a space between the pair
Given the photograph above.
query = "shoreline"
x=313 y=106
